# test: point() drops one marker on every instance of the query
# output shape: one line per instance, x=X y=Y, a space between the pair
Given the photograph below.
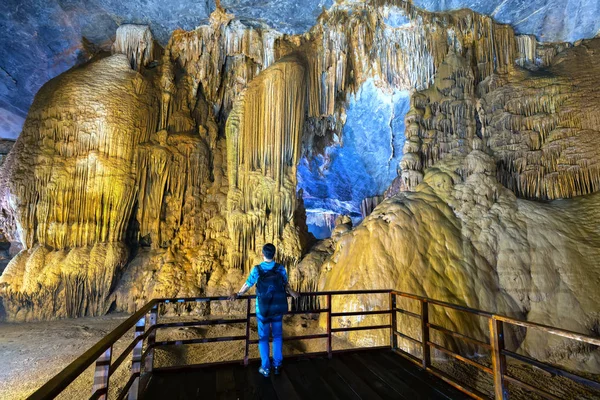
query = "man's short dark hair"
x=269 y=251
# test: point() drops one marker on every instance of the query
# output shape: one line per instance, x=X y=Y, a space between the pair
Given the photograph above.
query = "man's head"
x=269 y=251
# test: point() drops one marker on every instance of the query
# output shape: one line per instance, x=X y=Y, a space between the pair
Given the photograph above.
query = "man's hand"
x=243 y=290
x=233 y=296
x=293 y=293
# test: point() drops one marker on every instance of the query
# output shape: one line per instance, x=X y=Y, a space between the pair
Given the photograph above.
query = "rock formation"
x=70 y=185
x=5 y=245
x=543 y=127
x=160 y=171
x=263 y=145
x=462 y=237
x=467 y=144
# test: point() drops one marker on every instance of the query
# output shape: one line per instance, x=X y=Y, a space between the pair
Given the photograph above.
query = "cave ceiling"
x=43 y=38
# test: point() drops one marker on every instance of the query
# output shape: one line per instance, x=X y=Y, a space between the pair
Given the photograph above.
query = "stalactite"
x=368 y=204
x=263 y=147
x=136 y=42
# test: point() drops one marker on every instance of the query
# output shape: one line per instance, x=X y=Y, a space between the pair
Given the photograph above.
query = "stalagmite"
x=71 y=188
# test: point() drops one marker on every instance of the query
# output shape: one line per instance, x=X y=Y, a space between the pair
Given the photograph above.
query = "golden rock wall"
x=462 y=237
x=71 y=187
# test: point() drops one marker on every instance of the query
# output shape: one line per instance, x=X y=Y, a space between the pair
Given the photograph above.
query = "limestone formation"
x=69 y=186
x=263 y=146
x=137 y=43
x=462 y=237
x=544 y=128
x=541 y=128
x=160 y=172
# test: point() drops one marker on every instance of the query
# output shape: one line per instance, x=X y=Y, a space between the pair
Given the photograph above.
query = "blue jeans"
x=276 y=326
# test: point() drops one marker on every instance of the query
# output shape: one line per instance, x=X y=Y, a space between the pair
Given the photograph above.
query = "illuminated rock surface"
x=161 y=170
x=360 y=163
x=463 y=238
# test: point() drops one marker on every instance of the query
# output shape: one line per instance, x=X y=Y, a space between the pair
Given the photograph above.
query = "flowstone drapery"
x=263 y=149
x=70 y=186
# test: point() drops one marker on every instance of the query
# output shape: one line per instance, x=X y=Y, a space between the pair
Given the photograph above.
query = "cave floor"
x=377 y=374
x=31 y=353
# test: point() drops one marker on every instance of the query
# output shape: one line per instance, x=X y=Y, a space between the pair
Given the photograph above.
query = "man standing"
x=271 y=304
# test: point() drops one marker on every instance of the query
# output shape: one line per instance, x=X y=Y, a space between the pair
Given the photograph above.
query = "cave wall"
x=171 y=187
x=460 y=227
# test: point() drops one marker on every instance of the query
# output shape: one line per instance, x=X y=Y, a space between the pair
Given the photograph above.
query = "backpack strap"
x=281 y=269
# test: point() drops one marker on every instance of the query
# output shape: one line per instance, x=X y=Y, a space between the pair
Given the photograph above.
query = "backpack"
x=270 y=292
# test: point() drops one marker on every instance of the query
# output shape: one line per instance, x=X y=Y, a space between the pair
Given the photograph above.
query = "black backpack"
x=270 y=292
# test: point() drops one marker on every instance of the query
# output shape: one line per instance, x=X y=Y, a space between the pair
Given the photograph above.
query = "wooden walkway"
x=371 y=375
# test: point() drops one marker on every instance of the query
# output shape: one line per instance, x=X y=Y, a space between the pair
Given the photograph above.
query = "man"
x=271 y=304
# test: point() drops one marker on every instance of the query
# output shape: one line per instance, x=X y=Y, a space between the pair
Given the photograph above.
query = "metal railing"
x=495 y=345
x=146 y=326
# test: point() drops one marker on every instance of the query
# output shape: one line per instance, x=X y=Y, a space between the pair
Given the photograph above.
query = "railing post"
x=247 y=350
x=152 y=321
x=425 y=333
x=102 y=373
x=498 y=359
x=393 y=320
x=329 y=347
x=136 y=359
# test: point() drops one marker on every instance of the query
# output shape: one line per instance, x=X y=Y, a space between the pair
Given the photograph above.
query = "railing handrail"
x=253 y=296
x=516 y=321
x=64 y=378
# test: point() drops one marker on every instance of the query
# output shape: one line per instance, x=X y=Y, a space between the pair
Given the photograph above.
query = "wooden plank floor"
x=361 y=375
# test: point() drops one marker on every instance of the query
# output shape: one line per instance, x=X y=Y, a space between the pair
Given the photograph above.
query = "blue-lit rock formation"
x=363 y=163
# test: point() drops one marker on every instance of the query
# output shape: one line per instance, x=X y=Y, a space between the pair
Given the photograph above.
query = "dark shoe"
x=277 y=370
x=264 y=372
